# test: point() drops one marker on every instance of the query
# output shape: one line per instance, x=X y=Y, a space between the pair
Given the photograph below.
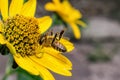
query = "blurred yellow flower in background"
x=20 y=32
x=68 y=13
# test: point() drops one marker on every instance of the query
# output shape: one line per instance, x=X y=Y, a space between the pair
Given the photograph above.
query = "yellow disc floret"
x=23 y=33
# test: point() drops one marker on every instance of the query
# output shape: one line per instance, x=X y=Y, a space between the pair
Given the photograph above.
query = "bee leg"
x=0 y=32
x=51 y=33
x=54 y=38
x=43 y=39
x=61 y=34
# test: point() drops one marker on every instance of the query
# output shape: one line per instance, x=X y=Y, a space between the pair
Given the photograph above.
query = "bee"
x=53 y=41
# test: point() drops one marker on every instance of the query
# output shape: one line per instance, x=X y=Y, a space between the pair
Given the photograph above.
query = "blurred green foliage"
x=57 y=20
x=98 y=55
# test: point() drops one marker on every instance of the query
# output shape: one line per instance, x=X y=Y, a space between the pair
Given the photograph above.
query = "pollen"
x=23 y=33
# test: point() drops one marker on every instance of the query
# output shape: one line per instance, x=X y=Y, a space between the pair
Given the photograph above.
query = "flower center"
x=23 y=33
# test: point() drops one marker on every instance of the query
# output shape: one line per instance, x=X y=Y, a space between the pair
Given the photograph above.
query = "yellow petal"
x=33 y=68
x=69 y=46
x=70 y=9
x=11 y=48
x=51 y=63
x=76 y=30
x=2 y=40
x=26 y=64
x=1 y=26
x=0 y=8
x=4 y=8
x=44 y=73
x=29 y=8
x=56 y=1
x=75 y=14
x=50 y=6
x=59 y=56
x=15 y=7
x=44 y=23
x=81 y=23
x=66 y=4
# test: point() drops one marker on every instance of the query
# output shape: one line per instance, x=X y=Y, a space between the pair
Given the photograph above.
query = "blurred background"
x=97 y=54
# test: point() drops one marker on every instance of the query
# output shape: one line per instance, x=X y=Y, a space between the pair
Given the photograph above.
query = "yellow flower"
x=68 y=13
x=20 y=32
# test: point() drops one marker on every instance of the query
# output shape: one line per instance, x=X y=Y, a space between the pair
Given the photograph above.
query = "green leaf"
x=24 y=75
x=85 y=21
x=57 y=19
x=4 y=50
x=98 y=57
x=25 y=1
